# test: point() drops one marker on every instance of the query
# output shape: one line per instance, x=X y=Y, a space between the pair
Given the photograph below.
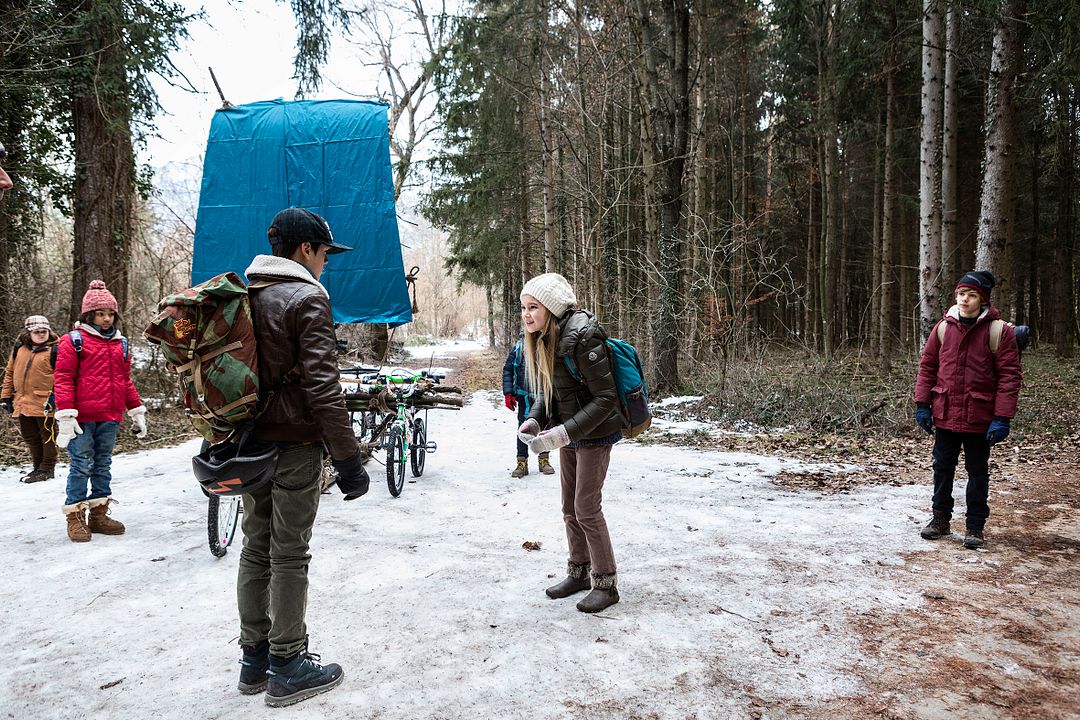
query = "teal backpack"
x=630 y=384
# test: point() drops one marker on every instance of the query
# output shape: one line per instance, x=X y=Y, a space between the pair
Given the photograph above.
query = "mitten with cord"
x=138 y=421
x=67 y=427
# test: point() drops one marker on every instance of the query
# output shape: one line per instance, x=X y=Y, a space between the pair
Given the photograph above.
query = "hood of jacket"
x=271 y=267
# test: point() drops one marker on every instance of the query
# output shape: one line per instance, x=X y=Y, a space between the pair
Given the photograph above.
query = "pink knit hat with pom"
x=98 y=297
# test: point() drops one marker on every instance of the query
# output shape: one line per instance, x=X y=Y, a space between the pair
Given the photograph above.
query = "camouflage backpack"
x=207 y=338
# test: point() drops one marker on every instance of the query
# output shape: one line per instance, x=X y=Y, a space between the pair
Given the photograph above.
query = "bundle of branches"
x=383 y=400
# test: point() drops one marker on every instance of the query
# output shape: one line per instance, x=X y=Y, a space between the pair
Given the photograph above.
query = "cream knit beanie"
x=553 y=292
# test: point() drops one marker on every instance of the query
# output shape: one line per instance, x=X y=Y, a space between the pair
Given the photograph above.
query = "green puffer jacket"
x=589 y=409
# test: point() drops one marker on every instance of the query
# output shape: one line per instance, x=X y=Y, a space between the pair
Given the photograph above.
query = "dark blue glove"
x=998 y=430
x=8 y=405
x=924 y=418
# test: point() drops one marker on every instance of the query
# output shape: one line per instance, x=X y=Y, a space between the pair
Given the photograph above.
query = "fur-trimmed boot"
x=545 y=464
x=522 y=468
x=938 y=527
x=604 y=594
x=100 y=522
x=77 y=529
x=576 y=580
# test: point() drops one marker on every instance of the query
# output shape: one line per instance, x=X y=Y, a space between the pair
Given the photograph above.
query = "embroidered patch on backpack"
x=593 y=356
x=182 y=328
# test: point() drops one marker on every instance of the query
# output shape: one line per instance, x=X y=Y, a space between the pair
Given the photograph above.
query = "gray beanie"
x=553 y=292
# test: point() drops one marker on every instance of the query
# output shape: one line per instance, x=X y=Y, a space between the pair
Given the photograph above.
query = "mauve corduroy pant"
x=582 y=471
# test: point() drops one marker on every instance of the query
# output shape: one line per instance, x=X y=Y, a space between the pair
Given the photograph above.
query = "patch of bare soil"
x=998 y=633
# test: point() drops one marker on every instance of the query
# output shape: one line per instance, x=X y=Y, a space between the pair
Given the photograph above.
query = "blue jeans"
x=91 y=458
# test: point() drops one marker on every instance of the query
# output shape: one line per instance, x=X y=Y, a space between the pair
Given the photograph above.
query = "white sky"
x=250 y=44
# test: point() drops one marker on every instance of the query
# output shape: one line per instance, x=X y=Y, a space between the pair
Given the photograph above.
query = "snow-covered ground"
x=732 y=590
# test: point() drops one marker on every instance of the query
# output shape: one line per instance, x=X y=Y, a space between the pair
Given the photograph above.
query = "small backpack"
x=629 y=382
x=207 y=337
x=1022 y=333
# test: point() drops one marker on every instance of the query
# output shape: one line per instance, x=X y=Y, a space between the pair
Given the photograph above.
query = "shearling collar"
x=954 y=313
x=276 y=268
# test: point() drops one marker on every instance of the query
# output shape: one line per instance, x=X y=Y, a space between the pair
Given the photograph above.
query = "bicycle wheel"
x=418 y=451
x=395 y=461
x=222 y=522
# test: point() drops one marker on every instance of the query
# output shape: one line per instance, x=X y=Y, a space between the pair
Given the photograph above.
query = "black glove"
x=8 y=405
x=352 y=477
x=924 y=418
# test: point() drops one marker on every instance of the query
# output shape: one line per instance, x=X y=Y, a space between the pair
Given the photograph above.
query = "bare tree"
x=930 y=165
x=997 y=214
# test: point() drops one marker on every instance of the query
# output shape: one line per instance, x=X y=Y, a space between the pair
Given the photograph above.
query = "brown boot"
x=100 y=522
x=604 y=594
x=545 y=465
x=576 y=580
x=522 y=468
x=938 y=527
x=76 y=522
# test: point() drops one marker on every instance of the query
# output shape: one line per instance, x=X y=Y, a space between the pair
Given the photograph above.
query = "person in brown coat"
x=966 y=394
x=28 y=383
x=578 y=414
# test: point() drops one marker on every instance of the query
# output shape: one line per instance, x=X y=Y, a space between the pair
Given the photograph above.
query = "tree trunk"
x=930 y=166
x=547 y=151
x=888 y=209
x=995 y=241
x=950 y=122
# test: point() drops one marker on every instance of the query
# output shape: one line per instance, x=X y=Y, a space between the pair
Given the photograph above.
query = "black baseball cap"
x=296 y=225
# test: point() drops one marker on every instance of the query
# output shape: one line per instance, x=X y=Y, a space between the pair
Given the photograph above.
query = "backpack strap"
x=996 y=328
x=941 y=327
x=77 y=343
x=52 y=355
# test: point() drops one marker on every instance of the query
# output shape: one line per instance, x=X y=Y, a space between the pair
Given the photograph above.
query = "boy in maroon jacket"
x=965 y=395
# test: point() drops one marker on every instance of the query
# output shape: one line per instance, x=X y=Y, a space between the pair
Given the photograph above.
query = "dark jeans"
x=947 y=445
x=39 y=433
x=272 y=582
x=91 y=459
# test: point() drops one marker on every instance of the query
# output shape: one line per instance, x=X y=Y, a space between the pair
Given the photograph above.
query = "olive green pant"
x=272 y=583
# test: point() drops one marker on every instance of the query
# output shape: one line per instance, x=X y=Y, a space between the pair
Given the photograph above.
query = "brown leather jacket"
x=294 y=333
x=28 y=378
x=589 y=408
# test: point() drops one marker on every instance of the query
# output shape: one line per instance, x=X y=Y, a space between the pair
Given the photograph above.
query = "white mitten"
x=138 y=419
x=528 y=431
x=67 y=427
x=549 y=440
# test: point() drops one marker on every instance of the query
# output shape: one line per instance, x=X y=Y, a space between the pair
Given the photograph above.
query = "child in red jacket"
x=965 y=395
x=93 y=388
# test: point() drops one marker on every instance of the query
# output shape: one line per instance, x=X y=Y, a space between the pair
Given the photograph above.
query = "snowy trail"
x=733 y=590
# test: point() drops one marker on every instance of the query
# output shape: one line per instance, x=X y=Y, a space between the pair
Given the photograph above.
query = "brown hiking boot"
x=76 y=522
x=100 y=522
x=938 y=527
x=545 y=465
x=974 y=539
x=522 y=468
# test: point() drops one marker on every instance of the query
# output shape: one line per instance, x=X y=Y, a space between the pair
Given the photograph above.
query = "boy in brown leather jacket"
x=296 y=352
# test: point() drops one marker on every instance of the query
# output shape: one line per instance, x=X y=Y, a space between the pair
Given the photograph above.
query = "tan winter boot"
x=100 y=522
x=545 y=465
x=76 y=522
x=522 y=468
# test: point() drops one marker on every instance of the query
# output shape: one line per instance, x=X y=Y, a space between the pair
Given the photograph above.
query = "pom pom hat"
x=37 y=322
x=98 y=297
x=552 y=291
x=980 y=281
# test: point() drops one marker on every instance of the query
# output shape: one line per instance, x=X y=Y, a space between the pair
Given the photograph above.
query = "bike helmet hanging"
x=235 y=468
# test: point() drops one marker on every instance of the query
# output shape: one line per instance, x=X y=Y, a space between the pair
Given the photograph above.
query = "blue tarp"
x=329 y=156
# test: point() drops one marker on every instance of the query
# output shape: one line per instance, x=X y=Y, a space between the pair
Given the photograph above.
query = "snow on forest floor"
x=738 y=598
